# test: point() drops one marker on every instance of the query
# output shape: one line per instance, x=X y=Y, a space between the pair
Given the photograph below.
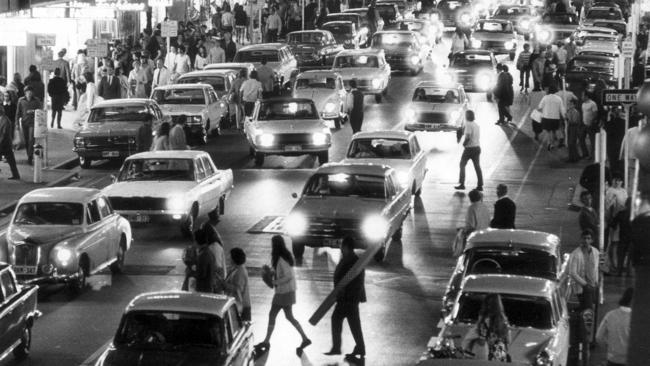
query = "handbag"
x=267 y=276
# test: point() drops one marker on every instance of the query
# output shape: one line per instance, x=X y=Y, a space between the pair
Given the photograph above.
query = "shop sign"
x=97 y=47
x=46 y=40
x=169 y=28
x=628 y=48
x=160 y=3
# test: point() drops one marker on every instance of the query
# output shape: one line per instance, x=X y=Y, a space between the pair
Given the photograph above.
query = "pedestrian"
x=229 y=47
x=588 y=216
x=147 y=70
x=177 y=139
x=583 y=270
x=574 y=124
x=64 y=66
x=241 y=21
x=356 y=111
x=273 y=26
x=6 y=143
x=57 y=89
x=124 y=82
x=80 y=67
x=170 y=58
x=552 y=108
x=347 y=304
x=236 y=284
x=489 y=338
x=204 y=263
x=25 y=112
x=227 y=18
x=251 y=91
x=162 y=75
x=88 y=97
x=591 y=125
x=562 y=57
x=322 y=16
x=537 y=69
x=615 y=197
x=161 y=141
x=109 y=86
x=311 y=14
x=523 y=65
x=615 y=129
x=505 y=210
x=217 y=248
x=471 y=151
x=137 y=80
x=16 y=88
x=284 y=284
x=235 y=88
x=504 y=95
x=182 y=64
x=201 y=59
x=477 y=216
x=459 y=42
x=216 y=54
x=10 y=108
x=622 y=223
x=265 y=76
x=35 y=80
x=614 y=330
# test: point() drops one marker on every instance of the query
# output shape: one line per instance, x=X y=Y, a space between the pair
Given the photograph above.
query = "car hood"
x=400 y=165
x=398 y=50
x=290 y=126
x=358 y=72
x=148 y=188
x=41 y=234
x=175 y=109
x=487 y=36
x=110 y=129
x=434 y=107
x=319 y=96
x=338 y=207
x=140 y=357
x=304 y=48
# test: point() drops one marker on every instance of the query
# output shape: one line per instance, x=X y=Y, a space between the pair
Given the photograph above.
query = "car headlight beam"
x=176 y=203
x=409 y=114
x=483 y=81
x=454 y=115
x=415 y=59
x=403 y=178
x=508 y=45
x=375 y=228
x=295 y=224
x=330 y=107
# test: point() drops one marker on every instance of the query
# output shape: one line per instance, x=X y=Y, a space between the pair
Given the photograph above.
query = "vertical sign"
x=169 y=29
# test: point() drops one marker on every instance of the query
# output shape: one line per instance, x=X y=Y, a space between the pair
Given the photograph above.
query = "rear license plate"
x=110 y=154
x=332 y=242
x=432 y=125
x=142 y=219
x=25 y=270
x=292 y=148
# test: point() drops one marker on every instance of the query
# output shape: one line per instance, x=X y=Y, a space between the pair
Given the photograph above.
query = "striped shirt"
x=523 y=61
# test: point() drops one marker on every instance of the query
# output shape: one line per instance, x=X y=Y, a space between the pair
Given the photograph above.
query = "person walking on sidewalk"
x=237 y=283
x=574 y=123
x=523 y=65
x=504 y=95
x=505 y=210
x=265 y=76
x=273 y=26
x=583 y=270
x=477 y=216
x=204 y=264
x=57 y=89
x=27 y=107
x=614 y=330
x=590 y=126
x=6 y=143
x=552 y=108
x=109 y=86
x=161 y=75
x=356 y=112
x=347 y=304
x=472 y=151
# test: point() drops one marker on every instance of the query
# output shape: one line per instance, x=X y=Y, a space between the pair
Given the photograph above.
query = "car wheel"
x=512 y=56
x=118 y=265
x=22 y=350
x=337 y=123
x=323 y=157
x=259 y=158
x=378 y=98
x=187 y=227
x=298 y=250
x=79 y=283
x=84 y=162
x=380 y=255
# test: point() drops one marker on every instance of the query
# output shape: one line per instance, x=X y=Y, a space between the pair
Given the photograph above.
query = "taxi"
x=368 y=67
x=523 y=18
x=362 y=201
x=475 y=70
x=278 y=57
x=556 y=27
x=313 y=47
x=326 y=89
x=496 y=35
x=436 y=107
x=287 y=127
x=398 y=149
x=402 y=49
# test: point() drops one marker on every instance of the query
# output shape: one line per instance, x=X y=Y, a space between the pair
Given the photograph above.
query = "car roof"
x=605 y=8
x=184 y=86
x=437 y=84
x=342 y=13
x=181 y=301
x=354 y=10
x=263 y=46
x=619 y=21
x=355 y=168
x=361 y=51
x=398 y=31
x=309 y=31
x=287 y=99
x=509 y=284
x=210 y=72
x=4 y=266
x=514 y=238
x=227 y=65
x=595 y=29
x=338 y=22
x=387 y=134
x=122 y=102
x=613 y=37
x=60 y=194
x=168 y=154
x=317 y=73
x=593 y=57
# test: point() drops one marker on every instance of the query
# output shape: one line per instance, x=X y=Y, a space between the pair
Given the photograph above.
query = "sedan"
x=475 y=70
x=368 y=67
x=403 y=50
x=345 y=33
x=522 y=17
x=587 y=69
x=64 y=235
x=313 y=47
x=326 y=89
x=436 y=107
x=221 y=81
x=495 y=35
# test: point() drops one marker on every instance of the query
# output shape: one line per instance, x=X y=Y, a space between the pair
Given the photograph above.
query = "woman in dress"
x=124 y=83
x=138 y=79
x=489 y=338
x=89 y=97
x=201 y=59
x=284 y=283
x=161 y=141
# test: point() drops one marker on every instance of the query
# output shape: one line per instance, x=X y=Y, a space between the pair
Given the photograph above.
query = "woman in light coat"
x=161 y=141
x=89 y=97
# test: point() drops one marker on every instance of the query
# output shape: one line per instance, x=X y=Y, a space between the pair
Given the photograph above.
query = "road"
x=403 y=293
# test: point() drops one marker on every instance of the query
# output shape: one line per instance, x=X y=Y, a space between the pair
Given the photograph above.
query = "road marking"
x=507 y=146
x=530 y=169
x=91 y=360
x=268 y=224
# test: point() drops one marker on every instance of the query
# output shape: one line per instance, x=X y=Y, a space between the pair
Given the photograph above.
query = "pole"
x=46 y=76
x=602 y=157
x=626 y=160
x=303 y=14
x=566 y=125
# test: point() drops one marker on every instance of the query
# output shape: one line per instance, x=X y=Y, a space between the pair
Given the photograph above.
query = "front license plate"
x=142 y=219
x=25 y=270
x=110 y=154
x=432 y=125
x=332 y=242
x=292 y=148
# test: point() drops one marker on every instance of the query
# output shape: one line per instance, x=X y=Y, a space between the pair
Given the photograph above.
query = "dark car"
x=116 y=129
x=455 y=13
x=313 y=47
x=476 y=70
x=402 y=49
x=522 y=17
x=221 y=81
x=556 y=27
x=584 y=71
x=389 y=13
x=345 y=33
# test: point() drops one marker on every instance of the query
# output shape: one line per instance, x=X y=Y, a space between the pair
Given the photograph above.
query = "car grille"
x=293 y=138
x=491 y=44
x=432 y=117
x=107 y=141
x=138 y=203
x=179 y=119
x=467 y=80
x=26 y=255
x=333 y=228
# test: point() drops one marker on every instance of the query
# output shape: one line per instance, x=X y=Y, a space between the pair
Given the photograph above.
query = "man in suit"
x=356 y=112
x=57 y=89
x=161 y=75
x=109 y=86
x=504 y=210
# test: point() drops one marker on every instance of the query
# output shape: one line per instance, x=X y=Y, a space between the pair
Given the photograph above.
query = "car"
x=237 y=66
x=18 y=312
x=345 y=33
x=602 y=13
x=197 y=106
x=523 y=18
x=624 y=5
x=598 y=50
x=398 y=149
x=180 y=328
x=584 y=70
x=288 y=127
x=117 y=128
x=504 y=251
x=495 y=35
x=389 y=12
x=278 y=56
x=436 y=107
x=64 y=235
x=402 y=49
x=537 y=314
x=365 y=20
x=599 y=40
x=556 y=27
x=177 y=186
x=404 y=7
x=620 y=26
x=326 y=89
x=313 y=47
x=221 y=81
x=360 y=24
x=475 y=70
x=455 y=13
x=587 y=30
x=368 y=67
x=362 y=201
x=430 y=34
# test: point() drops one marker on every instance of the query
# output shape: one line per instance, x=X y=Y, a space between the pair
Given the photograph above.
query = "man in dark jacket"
x=347 y=304
x=25 y=114
x=57 y=89
x=35 y=81
x=204 y=264
x=504 y=95
x=504 y=210
x=356 y=113
x=109 y=87
x=6 y=143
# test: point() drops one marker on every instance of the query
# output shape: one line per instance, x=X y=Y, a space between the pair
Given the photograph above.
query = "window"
x=235 y=320
x=93 y=212
x=390 y=186
x=228 y=326
x=49 y=213
x=415 y=147
x=8 y=284
x=207 y=164
x=104 y=207
x=200 y=170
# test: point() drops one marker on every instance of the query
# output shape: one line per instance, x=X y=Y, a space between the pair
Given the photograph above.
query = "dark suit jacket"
x=357 y=104
x=112 y=91
x=57 y=89
x=205 y=268
x=504 y=214
x=355 y=291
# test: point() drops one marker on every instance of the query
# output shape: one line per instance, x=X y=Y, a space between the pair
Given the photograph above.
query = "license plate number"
x=433 y=125
x=110 y=154
x=25 y=270
x=143 y=219
x=292 y=148
x=332 y=242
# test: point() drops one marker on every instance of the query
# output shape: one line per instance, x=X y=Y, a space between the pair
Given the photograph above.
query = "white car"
x=289 y=127
x=398 y=149
x=177 y=186
x=198 y=104
x=326 y=89
x=278 y=57
x=597 y=49
x=368 y=67
x=437 y=107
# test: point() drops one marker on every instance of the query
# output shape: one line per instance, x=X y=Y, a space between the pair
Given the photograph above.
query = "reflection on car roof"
x=263 y=46
x=514 y=238
x=509 y=284
x=355 y=168
x=388 y=134
x=183 y=86
x=181 y=301
x=168 y=154
x=213 y=72
x=60 y=194
x=317 y=73
x=437 y=84
x=122 y=102
x=286 y=99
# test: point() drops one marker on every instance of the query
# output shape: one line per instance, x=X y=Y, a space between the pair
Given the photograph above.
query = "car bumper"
x=152 y=216
x=430 y=127
x=360 y=242
x=52 y=279
x=104 y=153
x=292 y=150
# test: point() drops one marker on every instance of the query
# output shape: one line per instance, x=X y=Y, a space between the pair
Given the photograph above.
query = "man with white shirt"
x=614 y=330
x=472 y=151
x=161 y=75
x=552 y=108
x=216 y=54
x=170 y=58
x=590 y=125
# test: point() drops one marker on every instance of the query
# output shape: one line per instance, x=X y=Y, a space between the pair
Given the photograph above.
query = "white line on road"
x=530 y=169
x=93 y=358
x=507 y=146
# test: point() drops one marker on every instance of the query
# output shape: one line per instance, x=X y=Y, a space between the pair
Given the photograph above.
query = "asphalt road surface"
x=403 y=293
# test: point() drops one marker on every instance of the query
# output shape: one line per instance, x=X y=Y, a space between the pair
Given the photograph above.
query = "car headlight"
x=266 y=139
x=375 y=228
x=415 y=59
x=409 y=114
x=476 y=43
x=543 y=359
x=330 y=107
x=79 y=142
x=295 y=224
x=319 y=138
x=403 y=179
x=176 y=203
x=132 y=140
x=508 y=45
x=194 y=120
x=63 y=256
x=376 y=83
x=483 y=81
x=363 y=30
x=454 y=115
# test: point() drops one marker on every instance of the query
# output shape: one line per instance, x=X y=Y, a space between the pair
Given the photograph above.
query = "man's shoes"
x=305 y=343
x=498 y=123
x=460 y=187
x=59 y=127
x=354 y=357
x=262 y=348
x=14 y=178
x=332 y=352
x=480 y=189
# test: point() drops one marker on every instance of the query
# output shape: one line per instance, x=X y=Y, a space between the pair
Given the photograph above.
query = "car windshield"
x=524 y=262
x=346 y=185
x=257 y=56
x=338 y=29
x=179 y=96
x=356 y=61
x=585 y=65
x=169 y=330
x=436 y=95
x=612 y=13
x=521 y=311
x=470 y=60
x=512 y=11
x=49 y=213
x=316 y=83
x=379 y=149
x=354 y=18
x=561 y=19
x=392 y=40
x=217 y=82
x=493 y=27
x=287 y=110
x=124 y=113
x=310 y=37
x=157 y=169
x=618 y=27
x=387 y=11
x=413 y=26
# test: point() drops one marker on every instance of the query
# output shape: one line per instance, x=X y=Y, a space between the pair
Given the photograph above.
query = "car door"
x=211 y=108
x=93 y=244
x=10 y=312
x=201 y=189
x=213 y=182
x=419 y=161
x=402 y=197
x=111 y=237
x=394 y=196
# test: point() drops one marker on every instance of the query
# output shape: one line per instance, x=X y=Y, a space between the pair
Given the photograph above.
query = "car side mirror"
x=113 y=178
x=294 y=195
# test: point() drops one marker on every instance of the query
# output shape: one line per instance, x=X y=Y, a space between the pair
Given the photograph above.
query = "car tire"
x=22 y=350
x=323 y=157
x=298 y=250
x=79 y=284
x=512 y=56
x=85 y=162
x=378 y=98
x=118 y=265
x=337 y=123
x=187 y=227
x=397 y=235
x=259 y=159
x=380 y=255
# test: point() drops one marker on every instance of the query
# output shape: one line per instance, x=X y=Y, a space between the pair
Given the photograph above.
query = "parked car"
x=599 y=41
x=602 y=13
x=313 y=47
x=363 y=201
x=586 y=30
x=404 y=7
x=598 y=49
x=182 y=329
x=583 y=71
x=368 y=67
x=475 y=70
x=345 y=33
x=221 y=81
x=436 y=107
x=278 y=56
x=495 y=35
x=289 y=127
x=169 y=186
x=524 y=18
x=556 y=27
x=117 y=128
x=236 y=66
x=197 y=106
x=402 y=49
x=64 y=235
x=398 y=149
x=326 y=89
